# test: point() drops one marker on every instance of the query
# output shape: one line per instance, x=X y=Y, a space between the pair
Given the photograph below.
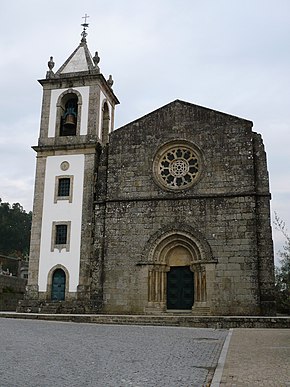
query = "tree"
x=15 y=228
x=282 y=273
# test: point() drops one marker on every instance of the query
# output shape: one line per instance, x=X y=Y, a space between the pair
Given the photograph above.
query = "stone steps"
x=63 y=307
x=201 y=311
x=52 y=308
x=185 y=320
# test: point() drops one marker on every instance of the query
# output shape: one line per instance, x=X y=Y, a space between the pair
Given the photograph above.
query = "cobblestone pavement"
x=39 y=353
x=258 y=357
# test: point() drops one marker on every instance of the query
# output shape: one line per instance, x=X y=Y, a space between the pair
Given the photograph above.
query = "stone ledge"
x=215 y=322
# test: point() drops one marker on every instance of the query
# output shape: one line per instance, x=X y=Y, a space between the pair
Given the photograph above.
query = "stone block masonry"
x=12 y=290
x=227 y=209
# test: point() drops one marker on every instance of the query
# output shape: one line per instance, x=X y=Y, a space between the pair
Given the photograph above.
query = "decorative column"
x=157 y=288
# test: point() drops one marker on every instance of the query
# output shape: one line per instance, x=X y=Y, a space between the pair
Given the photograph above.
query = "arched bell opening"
x=105 y=123
x=69 y=116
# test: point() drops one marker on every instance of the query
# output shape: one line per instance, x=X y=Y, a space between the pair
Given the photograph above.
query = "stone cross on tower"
x=85 y=25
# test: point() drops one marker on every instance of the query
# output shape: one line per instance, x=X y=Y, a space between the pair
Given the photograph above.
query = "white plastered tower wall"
x=59 y=211
x=69 y=155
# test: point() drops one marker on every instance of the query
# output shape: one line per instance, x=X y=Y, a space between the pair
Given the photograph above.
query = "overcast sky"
x=229 y=55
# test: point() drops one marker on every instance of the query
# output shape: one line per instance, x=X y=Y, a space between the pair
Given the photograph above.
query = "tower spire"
x=85 y=26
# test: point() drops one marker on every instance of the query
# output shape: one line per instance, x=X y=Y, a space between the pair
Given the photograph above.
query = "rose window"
x=177 y=167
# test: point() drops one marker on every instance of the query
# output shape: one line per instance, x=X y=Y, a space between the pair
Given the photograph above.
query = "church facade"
x=168 y=213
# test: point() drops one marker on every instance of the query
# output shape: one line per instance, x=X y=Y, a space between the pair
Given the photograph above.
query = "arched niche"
x=105 y=126
x=68 y=116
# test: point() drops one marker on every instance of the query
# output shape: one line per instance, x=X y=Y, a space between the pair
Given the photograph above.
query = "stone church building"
x=170 y=212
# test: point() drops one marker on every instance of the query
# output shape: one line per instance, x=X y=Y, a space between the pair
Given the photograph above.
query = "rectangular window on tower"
x=63 y=188
x=61 y=234
x=60 y=238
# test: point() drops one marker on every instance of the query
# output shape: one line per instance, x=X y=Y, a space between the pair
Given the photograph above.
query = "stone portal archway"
x=57 y=275
x=172 y=250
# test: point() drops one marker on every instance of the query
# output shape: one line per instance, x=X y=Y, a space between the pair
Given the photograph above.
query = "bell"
x=69 y=121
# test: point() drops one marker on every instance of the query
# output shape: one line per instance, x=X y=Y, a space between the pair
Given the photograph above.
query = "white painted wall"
x=62 y=211
x=84 y=91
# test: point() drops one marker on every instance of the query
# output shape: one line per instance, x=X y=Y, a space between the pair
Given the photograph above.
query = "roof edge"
x=76 y=76
x=189 y=104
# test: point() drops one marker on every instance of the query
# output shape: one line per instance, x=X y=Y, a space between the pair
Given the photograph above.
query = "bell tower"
x=76 y=120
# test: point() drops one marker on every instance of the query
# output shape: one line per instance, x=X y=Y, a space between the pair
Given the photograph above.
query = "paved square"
x=40 y=353
x=258 y=357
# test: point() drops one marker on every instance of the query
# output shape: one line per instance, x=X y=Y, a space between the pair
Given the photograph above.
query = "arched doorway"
x=178 y=268
x=180 y=284
x=58 y=285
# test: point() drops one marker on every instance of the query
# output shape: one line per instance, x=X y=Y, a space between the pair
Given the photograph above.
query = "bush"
x=282 y=272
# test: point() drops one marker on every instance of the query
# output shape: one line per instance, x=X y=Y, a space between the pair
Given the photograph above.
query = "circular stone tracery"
x=177 y=167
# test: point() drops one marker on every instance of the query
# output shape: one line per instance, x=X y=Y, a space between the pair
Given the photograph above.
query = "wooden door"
x=180 y=288
x=58 y=285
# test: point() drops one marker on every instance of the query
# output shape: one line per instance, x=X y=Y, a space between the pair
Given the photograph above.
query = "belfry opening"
x=68 y=123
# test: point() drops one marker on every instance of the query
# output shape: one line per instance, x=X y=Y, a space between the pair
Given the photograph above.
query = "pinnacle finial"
x=85 y=26
x=96 y=60
x=110 y=81
x=50 y=64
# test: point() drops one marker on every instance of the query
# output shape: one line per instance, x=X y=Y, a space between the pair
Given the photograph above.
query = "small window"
x=63 y=188
x=60 y=238
x=61 y=234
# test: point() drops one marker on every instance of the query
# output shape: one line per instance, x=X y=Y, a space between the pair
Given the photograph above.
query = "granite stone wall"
x=228 y=207
x=12 y=290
